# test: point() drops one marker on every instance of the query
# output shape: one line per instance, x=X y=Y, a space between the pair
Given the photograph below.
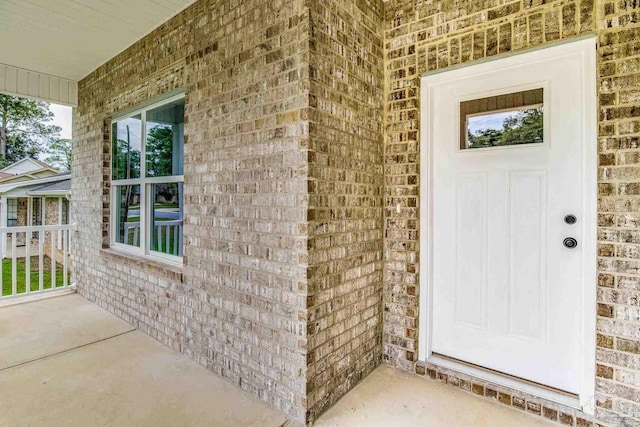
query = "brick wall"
x=51 y=211
x=618 y=352
x=301 y=156
x=238 y=306
x=424 y=36
x=345 y=198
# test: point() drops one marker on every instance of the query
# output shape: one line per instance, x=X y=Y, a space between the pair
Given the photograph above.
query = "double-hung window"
x=147 y=157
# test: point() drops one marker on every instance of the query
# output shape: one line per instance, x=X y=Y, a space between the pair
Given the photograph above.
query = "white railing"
x=132 y=228
x=168 y=235
x=25 y=253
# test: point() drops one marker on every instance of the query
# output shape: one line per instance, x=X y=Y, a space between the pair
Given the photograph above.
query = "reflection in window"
x=147 y=176
x=164 y=142
x=127 y=215
x=166 y=218
x=126 y=148
x=502 y=120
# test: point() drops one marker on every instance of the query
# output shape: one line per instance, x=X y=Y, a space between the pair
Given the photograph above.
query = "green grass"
x=21 y=278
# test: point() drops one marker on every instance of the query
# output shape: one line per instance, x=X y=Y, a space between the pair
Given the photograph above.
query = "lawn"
x=21 y=278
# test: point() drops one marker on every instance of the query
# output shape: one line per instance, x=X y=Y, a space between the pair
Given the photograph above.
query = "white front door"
x=510 y=151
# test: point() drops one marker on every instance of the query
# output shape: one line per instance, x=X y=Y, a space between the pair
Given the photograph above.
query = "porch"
x=68 y=361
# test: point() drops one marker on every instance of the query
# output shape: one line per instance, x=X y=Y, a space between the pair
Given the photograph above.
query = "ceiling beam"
x=31 y=84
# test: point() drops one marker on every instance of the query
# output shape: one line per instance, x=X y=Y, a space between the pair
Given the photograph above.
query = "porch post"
x=29 y=211
x=59 y=222
x=3 y=223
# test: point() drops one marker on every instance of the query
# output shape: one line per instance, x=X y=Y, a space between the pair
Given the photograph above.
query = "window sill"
x=149 y=265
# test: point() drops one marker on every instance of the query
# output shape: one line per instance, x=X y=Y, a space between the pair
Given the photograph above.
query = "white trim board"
x=588 y=296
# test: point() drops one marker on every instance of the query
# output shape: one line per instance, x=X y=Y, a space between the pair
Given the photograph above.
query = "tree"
x=524 y=127
x=159 y=151
x=24 y=127
x=18 y=148
x=60 y=154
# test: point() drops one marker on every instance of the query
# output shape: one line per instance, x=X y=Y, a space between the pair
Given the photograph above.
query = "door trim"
x=587 y=49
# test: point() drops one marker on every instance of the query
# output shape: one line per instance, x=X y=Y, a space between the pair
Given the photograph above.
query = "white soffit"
x=29 y=84
x=68 y=39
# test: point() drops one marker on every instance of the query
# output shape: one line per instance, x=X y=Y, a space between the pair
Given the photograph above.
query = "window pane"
x=65 y=211
x=127 y=214
x=12 y=212
x=126 y=148
x=165 y=140
x=510 y=119
x=166 y=218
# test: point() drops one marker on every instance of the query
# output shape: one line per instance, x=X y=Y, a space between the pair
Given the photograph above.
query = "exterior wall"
x=51 y=218
x=238 y=306
x=23 y=211
x=423 y=36
x=51 y=211
x=23 y=219
x=345 y=198
x=287 y=151
x=618 y=352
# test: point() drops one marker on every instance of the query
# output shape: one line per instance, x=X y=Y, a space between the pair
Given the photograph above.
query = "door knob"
x=570 y=243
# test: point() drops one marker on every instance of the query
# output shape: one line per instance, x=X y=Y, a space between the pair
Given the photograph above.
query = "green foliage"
x=59 y=154
x=525 y=127
x=18 y=148
x=24 y=128
x=159 y=151
x=126 y=162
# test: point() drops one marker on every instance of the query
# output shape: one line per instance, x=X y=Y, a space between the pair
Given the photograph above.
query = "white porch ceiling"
x=68 y=39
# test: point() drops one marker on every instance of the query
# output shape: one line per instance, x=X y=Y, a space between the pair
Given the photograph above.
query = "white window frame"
x=146 y=195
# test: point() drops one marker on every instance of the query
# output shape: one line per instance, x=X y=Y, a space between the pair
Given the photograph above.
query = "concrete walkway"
x=389 y=397
x=64 y=361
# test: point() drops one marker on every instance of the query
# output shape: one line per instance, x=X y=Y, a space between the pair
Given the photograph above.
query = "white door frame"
x=587 y=48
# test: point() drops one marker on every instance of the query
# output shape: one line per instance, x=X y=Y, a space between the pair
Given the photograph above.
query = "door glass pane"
x=502 y=120
x=127 y=221
x=166 y=218
x=36 y=211
x=126 y=148
x=165 y=140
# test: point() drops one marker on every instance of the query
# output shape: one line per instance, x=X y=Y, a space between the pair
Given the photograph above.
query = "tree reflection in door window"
x=502 y=120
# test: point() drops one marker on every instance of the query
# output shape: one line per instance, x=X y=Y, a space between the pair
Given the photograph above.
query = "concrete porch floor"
x=389 y=397
x=65 y=361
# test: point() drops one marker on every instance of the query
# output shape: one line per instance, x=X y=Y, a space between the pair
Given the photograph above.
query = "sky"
x=488 y=121
x=62 y=118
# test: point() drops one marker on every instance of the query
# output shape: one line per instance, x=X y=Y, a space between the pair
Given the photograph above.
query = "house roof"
x=20 y=188
x=56 y=188
x=25 y=165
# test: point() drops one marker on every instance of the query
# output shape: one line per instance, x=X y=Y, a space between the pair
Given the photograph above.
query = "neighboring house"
x=32 y=193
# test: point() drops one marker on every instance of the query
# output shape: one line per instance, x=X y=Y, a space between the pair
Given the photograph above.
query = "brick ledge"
x=148 y=265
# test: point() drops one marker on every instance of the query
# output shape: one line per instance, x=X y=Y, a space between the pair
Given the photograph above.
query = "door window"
x=497 y=121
